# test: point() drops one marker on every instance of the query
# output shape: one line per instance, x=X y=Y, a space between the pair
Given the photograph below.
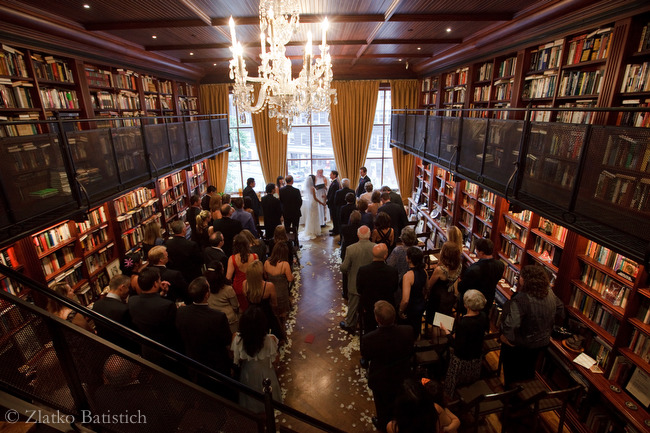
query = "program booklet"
x=448 y=321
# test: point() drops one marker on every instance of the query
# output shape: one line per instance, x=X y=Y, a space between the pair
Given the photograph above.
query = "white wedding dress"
x=310 y=212
x=323 y=214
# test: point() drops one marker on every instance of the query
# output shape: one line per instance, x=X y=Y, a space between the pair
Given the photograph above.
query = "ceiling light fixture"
x=191 y=54
x=448 y=29
x=286 y=97
x=419 y=48
x=86 y=6
x=154 y=37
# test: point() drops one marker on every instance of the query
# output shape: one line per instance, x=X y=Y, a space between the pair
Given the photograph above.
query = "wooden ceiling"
x=367 y=38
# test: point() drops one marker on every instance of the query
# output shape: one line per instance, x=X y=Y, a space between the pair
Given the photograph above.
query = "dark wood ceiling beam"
x=351 y=56
x=304 y=19
x=133 y=25
x=390 y=11
x=493 y=16
x=416 y=41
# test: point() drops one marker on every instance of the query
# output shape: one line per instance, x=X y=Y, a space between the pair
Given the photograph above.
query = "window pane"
x=374 y=172
x=376 y=142
x=389 y=177
x=299 y=169
x=233 y=181
x=253 y=169
x=326 y=165
x=379 y=111
x=298 y=143
x=247 y=147
x=320 y=118
x=234 y=144
x=232 y=118
x=322 y=142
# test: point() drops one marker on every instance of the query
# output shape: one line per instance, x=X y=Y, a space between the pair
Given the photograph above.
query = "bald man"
x=376 y=281
x=357 y=255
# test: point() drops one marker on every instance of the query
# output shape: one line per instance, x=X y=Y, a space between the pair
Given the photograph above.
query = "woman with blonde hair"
x=261 y=294
x=456 y=236
x=61 y=311
x=152 y=237
x=203 y=229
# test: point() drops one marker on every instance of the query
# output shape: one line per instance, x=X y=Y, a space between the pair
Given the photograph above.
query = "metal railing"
x=65 y=166
x=57 y=364
x=592 y=178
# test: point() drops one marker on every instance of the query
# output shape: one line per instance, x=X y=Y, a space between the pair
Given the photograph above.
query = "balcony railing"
x=592 y=178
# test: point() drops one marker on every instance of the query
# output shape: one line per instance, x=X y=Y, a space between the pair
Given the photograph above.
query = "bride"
x=311 y=203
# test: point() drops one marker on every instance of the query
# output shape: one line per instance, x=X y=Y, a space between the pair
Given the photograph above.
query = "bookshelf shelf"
x=69 y=265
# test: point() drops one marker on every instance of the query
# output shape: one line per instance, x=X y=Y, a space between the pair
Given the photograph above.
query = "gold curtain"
x=214 y=100
x=404 y=94
x=351 y=124
x=271 y=144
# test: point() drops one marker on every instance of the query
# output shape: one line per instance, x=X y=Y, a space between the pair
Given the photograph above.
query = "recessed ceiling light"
x=154 y=37
x=191 y=54
x=448 y=29
x=399 y=60
x=214 y=64
x=86 y=6
x=419 y=48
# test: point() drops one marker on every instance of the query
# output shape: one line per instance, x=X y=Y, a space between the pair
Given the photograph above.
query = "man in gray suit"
x=357 y=255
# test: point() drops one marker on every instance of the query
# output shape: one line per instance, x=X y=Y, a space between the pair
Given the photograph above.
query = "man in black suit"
x=176 y=285
x=192 y=212
x=483 y=275
x=395 y=211
x=215 y=250
x=394 y=197
x=388 y=349
x=331 y=193
x=184 y=255
x=272 y=209
x=205 y=332
x=375 y=282
x=255 y=200
x=228 y=227
x=114 y=306
x=347 y=209
x=205 y=201
x=291 y=202
x=363 y=178
x=339 y=200
x=153 y=315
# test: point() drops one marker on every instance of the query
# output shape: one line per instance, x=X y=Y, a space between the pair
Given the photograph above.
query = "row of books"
x=127 y=101
x=510 y=275
x=165 y=86
x=11 y=286
x=548 y=252
x=640 y=344
x=92 y=240
x=100 y=259
x=458 y=78
x=636 y=78
x=97 y=77
x=100 y=283
x=623 y=190
x=177 y=178
x=148 y=84
x=644 y=41
x=507 y=67
x=59 y=98
x=185 y=89
x=49 y=239
x=133 y=237
x=151 y=102
x=503 y=90
x=12 y=62
x=51 y=68
x=541 y=115
x=136 y=216
x=104 y=100
x=188 y=103
x=553 y=230
x=485 y=214
x=484 y=72
x=612 y=260
x=482 y=94
x=71 y=276
x=599 y=350
x=621 y=371
x=57 y=260
x=195 y=181
x=125 y=79
x=539 y=86
x=95 y=218
x=511 y=252
x=15 y=94
x=133 y=199
x=592 y=46
x=625 y=151
x=594 y=311
x=579 y=117
x=8 y=258
x=636 y=119
x=514 y=231
x=578 y=83
x=546 y=56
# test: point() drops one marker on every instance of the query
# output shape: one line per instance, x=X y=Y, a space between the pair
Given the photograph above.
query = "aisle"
x=323 y=378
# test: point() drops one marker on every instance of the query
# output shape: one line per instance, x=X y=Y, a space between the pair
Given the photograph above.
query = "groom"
x=291 y=202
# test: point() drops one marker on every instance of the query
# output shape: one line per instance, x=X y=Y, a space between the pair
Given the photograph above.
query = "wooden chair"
x=538 y=398
x=492 y=343
x=478 y=400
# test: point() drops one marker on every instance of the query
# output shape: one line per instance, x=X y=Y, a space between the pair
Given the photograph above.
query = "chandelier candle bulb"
x=325 y=26
x=263 y=41
x=232 y=32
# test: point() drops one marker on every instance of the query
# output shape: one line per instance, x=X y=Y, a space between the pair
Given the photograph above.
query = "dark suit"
x=229 y=228
x=396 y=198
x=482 y=276
x=331 y=193
x=184 y=256
x=346 y=211
x=155 y=317
x=192 y=212
x=205 y=202
x=361 y=187
x=375 y=282
x=291 y=202
x=211 y=254
x=389 y=350
x=117 y=310
x=397 y=216
x=339 y=202
x=206 y=336
x=177 y=283
x=272 y=209
x=250 y=192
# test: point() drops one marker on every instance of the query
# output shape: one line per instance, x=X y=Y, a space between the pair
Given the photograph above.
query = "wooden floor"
x=323 y=378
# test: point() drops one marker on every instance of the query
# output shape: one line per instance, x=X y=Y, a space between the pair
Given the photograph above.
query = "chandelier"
x=286 y=97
